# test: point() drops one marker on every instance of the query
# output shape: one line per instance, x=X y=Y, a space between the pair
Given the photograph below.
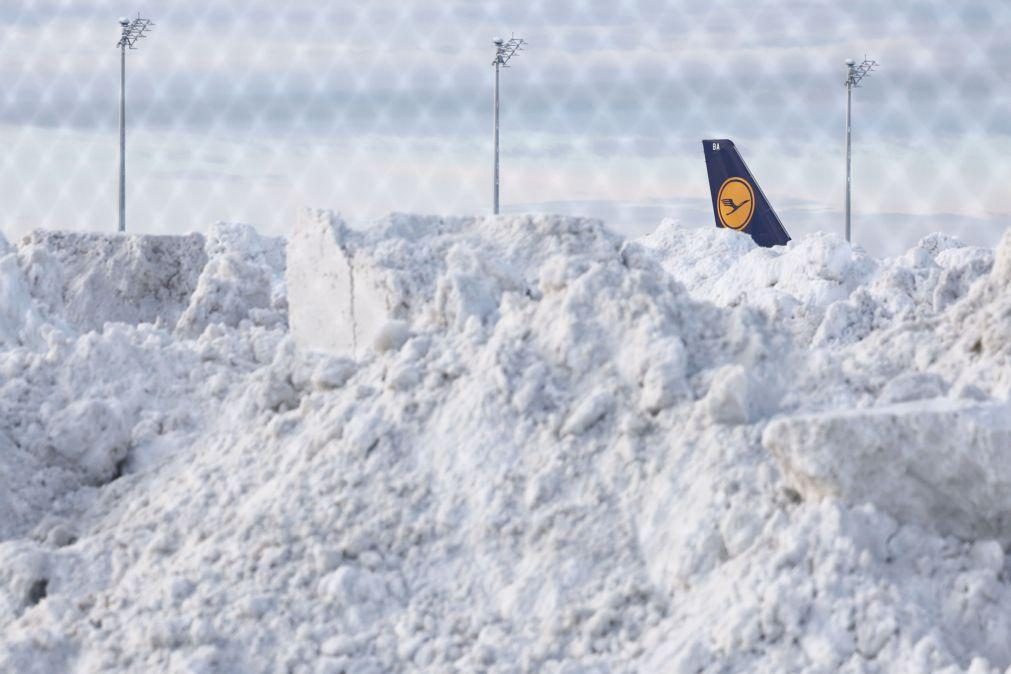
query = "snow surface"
x=514 y=444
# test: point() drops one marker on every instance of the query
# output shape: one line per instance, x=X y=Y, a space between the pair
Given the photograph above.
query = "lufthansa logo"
x=736 y=203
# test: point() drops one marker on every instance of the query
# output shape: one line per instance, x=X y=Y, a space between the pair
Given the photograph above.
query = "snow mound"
x=243 y=280
x=914 y=287
x=86 y=381
x=89 y=279
x=793 y=284
x=509 y=444
x=826 y=291
x=345 y=285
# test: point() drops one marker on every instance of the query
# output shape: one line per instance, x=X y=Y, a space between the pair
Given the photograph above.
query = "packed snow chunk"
x=913 y=386
x=92 y=435
x=391 y=336
x=101 y=278
x=23 y=577
x=664 y=382
x=361 y=596
x=242 y=281
x=1002 y=263
x=332 y=373
x=940 y=464
x=961 y=268
x=735 y=397
x=345 y=286
x=28 y=486
x=320 y=284
x=21 y=317
x=588 y=412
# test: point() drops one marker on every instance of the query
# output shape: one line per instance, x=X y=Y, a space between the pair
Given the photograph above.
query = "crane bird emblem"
x=729 y=203
x=737 y=203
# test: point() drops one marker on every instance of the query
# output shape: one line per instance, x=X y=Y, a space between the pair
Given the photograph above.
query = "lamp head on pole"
x=133 y=31
x=857 y=72
x=506 y=49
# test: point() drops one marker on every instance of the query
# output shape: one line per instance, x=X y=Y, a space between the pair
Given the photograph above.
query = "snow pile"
x=89 y=279
x=915 y=287
x=792 y=284
x=825 y=290
x=346 y=285
x=528 y=445
x=927 y=432
x=243 y=280
x=82 y=403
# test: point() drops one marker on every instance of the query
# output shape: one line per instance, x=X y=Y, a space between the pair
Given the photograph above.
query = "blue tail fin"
x=738 y=201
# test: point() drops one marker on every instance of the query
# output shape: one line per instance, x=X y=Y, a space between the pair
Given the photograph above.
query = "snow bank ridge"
x=89 y=279
x=346 y=286
x=80 y=281
x=514 y=444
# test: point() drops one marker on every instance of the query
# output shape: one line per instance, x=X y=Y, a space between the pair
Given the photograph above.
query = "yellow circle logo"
x=735 y=203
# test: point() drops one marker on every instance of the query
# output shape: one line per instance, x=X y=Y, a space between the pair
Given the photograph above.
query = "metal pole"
x=132 y=31
x=122 y=138
x=849 y=177
x=504 y=50
x=495 y=195
x=855 y=74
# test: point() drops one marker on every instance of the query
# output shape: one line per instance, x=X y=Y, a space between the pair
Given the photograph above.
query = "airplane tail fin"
x=738 y=201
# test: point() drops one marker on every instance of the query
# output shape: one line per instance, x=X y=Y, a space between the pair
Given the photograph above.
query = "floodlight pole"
x=122 y=131
x=504 y=50
x=495 y=189
x=854 y=73
x=131 y=32
x=849 y=135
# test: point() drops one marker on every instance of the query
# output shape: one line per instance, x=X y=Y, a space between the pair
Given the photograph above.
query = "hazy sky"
x=248 y=110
